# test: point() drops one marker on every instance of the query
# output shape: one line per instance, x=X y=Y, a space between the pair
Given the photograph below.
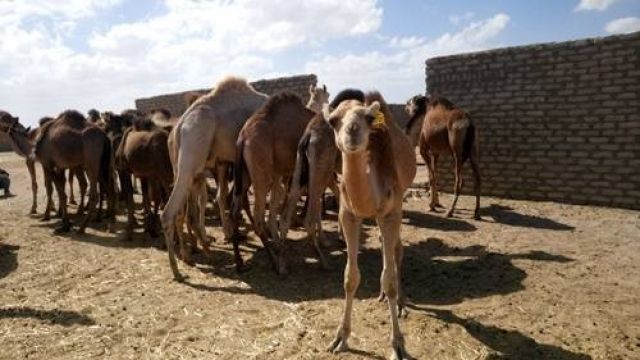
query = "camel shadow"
x=466 y=273
x=8 y=259
x=53 y=317
x=509 y=344
x=429 y=221
x=507 y=216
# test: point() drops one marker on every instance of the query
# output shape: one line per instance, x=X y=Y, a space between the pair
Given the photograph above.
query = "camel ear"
x=28 y=129
x=373 y=108
x=324 y=88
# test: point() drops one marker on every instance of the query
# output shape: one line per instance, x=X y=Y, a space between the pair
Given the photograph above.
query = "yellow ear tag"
x=378 y=120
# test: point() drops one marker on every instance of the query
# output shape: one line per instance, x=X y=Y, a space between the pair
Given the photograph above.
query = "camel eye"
x=333 y=121
x=369 y=118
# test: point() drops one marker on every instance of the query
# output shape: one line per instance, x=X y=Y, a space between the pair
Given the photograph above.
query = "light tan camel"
x=70 y=142
x=205 y=137
x=317 y=164
x=266 y=158
x=378 y=165
x=447 y=128
x=22 y=143
x=143 y=152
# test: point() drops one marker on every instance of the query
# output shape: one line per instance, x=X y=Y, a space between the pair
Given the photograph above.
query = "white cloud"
x=189 y=45
x=461 y=18
x=399 y=73
x=623 y=25
x=594 y=5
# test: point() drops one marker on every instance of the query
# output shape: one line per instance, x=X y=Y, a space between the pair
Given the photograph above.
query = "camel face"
x=7 y=121
x=415 y=105
x=318 y=96
x=351 y=123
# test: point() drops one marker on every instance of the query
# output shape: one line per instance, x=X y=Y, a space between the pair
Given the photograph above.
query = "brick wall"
x=176 y=104
x=558 y=121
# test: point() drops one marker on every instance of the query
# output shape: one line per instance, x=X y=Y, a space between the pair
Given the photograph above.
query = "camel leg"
x=91 y=204
x=82 y=184
x=259 y=207
x=49 y=189
x=199 y=205
x=476 y=185
x=351 y=227
x=223 y=193
x=457 y=185
x=127 y=189
x=313 y=220
x=175 y=205
x=34 y=185
x=390 y=229
x=59 y=182
x=275 y=202
x=72 y=198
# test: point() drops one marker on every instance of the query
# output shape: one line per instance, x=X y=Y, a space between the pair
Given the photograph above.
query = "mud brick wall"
x=176 y=104
x=558 y=121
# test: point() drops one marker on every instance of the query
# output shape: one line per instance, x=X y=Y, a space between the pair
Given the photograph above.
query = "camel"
x=446 y=128
x=378 y=165
x=68 y=142
x=143 y=152
x=317 y=163
x=21 y=142
x=266 y=158
x=416 y=108
x=205 y=137
x=77 y=173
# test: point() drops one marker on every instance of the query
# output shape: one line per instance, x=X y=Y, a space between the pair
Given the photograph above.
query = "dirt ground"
x=532 y=280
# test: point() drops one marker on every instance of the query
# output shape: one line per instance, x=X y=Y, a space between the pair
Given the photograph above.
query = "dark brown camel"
x=266 y=156
x=446 y=128
x=69 y=142
x=317 y=164
x=77 y=173
x=143 y=152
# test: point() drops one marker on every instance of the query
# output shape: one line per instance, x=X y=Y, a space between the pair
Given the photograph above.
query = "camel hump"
x=441 y=101
x=232 y=84
x=280 y=99
x=374 y=96
x=72 y=118
x=347 y=94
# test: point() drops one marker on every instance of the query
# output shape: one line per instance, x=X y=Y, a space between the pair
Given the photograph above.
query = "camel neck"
x=315 y=107
x=361 y=183
x=21 y=144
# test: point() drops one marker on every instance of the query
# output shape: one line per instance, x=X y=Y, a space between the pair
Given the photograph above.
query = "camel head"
x=416 y=105
x=93 y=116
x=9 y=123
x=318 y=96
x=352 y=123
x=113 y=124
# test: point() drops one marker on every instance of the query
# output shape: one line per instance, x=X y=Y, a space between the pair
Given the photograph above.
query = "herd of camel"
x=275 y=146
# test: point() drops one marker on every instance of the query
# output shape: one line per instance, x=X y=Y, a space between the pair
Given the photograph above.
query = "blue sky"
x=81 y=54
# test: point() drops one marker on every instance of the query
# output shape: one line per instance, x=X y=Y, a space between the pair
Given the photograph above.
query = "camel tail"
x=304 y=160
x=469 y=140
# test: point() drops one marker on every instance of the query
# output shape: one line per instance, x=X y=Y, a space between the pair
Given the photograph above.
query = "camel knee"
x=351 y=281
x=389 y=283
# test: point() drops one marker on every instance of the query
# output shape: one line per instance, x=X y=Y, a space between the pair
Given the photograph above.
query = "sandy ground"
x=532 y=280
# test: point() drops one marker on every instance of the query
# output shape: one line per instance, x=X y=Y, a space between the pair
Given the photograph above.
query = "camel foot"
x=33 y=211
x=81 y=230
x=45 y=218
x=177 y=277
x=399 y=353
x=382 y=297
x=449 y=213
x=476 y=216
x=339 y=343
